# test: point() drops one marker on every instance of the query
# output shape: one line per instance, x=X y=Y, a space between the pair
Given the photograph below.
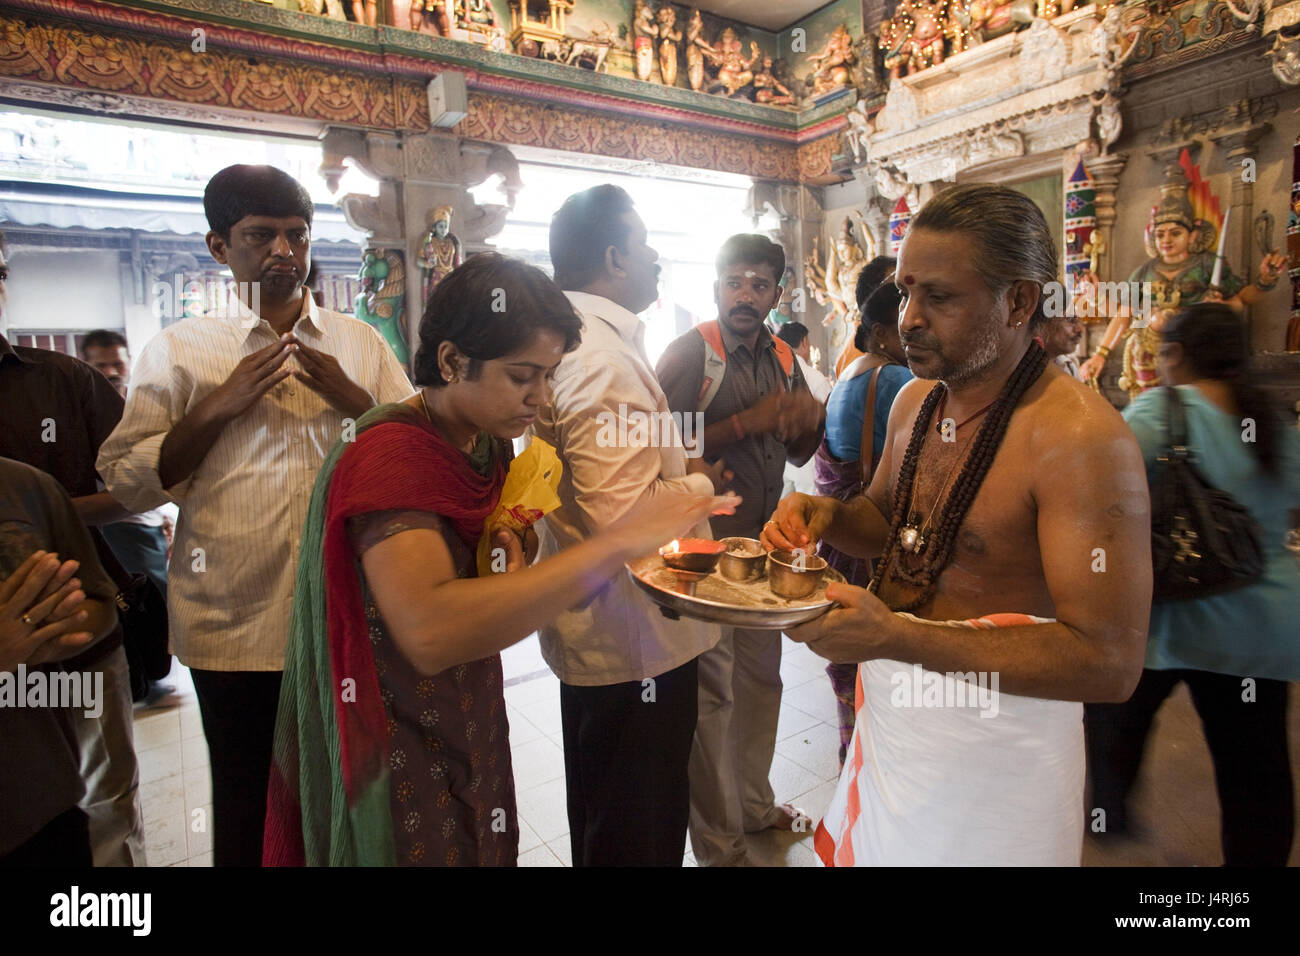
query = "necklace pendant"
x=910 y=539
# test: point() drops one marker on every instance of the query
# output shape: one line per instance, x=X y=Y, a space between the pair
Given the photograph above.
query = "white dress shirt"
x=231 y=576
x=621 y=635
x=802 y=478
x=818 y=384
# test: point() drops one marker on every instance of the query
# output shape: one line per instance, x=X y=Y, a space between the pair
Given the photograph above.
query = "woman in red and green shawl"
x=392 y=745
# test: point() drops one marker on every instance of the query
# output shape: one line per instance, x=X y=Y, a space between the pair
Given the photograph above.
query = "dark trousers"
x=64 y=841
x=1248 y=744
x=626 y=750
x=238 y=709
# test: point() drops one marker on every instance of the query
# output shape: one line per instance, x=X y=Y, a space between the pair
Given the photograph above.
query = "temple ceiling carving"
x=1019 y=94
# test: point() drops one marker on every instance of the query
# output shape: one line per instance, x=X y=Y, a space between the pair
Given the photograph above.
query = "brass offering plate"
x=748 y=604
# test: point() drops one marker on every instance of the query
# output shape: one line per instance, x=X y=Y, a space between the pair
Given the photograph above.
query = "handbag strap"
x=1175 y=422
x=867 y=450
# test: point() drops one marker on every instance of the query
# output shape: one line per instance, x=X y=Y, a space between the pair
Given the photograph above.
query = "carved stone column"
x=1240 y=146
x=1105 y=171
x=417 y=173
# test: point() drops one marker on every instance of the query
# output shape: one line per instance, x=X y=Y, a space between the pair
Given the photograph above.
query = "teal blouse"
x=1255 y=631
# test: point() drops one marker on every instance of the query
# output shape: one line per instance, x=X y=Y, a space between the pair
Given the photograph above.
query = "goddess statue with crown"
x=1184 y=228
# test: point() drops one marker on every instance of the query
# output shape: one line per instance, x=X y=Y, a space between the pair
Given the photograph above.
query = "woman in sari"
x=855 y=439
x=392 y=745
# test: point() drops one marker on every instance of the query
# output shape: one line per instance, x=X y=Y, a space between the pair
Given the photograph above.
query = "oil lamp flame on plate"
x=691 y=560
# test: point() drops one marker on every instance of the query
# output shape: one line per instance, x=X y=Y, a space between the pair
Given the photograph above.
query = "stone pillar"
x=417 y=173
x=1240 y=146
x=1105 y=171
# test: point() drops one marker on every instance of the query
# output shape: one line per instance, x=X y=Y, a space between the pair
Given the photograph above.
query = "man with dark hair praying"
x=758 y=414
x=627 y=673
x=230 y=416
x=1011 y=518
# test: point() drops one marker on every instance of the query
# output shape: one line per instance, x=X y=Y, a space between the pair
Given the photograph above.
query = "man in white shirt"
x=230 y=416
x=802 y=478
x=628 y=680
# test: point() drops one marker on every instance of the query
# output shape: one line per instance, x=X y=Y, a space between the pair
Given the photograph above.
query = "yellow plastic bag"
x=529 y=492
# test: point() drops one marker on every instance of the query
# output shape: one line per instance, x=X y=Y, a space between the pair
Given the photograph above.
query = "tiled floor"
x=1176 y=808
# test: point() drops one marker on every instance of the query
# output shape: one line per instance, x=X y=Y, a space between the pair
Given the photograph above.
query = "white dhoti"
x=944 y=770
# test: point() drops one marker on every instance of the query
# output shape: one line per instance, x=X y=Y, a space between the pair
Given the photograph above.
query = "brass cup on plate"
x=743 y=567
x=794 y=576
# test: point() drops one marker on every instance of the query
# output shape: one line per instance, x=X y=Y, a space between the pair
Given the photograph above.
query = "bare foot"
x=790 y=818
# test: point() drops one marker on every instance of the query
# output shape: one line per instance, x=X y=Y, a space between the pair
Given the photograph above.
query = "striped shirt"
x=231 y=575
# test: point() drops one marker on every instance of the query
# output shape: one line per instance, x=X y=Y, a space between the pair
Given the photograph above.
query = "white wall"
x=73 y=289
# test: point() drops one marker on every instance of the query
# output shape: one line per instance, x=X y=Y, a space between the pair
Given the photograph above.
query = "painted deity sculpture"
x=990 y=18
x=433 y=15
x=477 y=19
x=835 y=283
x=668 y=41
x=696 y=47
x=833 y=66
x=644 y=32
x=768 y=89
x=1179 y=273
x=379 y=303
x=894 y=46
x=926 y=44
x=913 y=39
x=477 y=14
x=439 y=252
x=364 y=11
x=735 y=71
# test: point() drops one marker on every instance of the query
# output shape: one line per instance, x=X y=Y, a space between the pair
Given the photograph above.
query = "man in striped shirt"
x=230 y=416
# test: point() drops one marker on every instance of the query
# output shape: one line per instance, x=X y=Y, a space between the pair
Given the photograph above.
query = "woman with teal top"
x=842 y=466
x=1237 y=650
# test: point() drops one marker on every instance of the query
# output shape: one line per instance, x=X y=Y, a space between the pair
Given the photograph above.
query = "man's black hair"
x=751 y=249
x=586 y=225
x=793 y=334
x=489 y=307
x=103 y=339
x=240 y=191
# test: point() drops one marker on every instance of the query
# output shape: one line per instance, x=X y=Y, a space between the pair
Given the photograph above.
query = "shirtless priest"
x=1011 y=517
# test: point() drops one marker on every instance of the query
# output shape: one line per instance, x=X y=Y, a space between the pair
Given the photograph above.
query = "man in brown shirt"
x=40 y=775
x=58 y=410
x=760 y=416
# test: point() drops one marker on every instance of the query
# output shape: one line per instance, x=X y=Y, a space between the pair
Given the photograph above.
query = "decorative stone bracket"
x=418 y=173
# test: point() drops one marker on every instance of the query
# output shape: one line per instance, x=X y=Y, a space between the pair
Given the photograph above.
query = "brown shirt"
x=39 y=767
x=57 y=412
x=757 y=460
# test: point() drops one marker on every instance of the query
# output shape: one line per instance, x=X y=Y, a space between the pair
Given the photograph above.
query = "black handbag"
x=1203 y=541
